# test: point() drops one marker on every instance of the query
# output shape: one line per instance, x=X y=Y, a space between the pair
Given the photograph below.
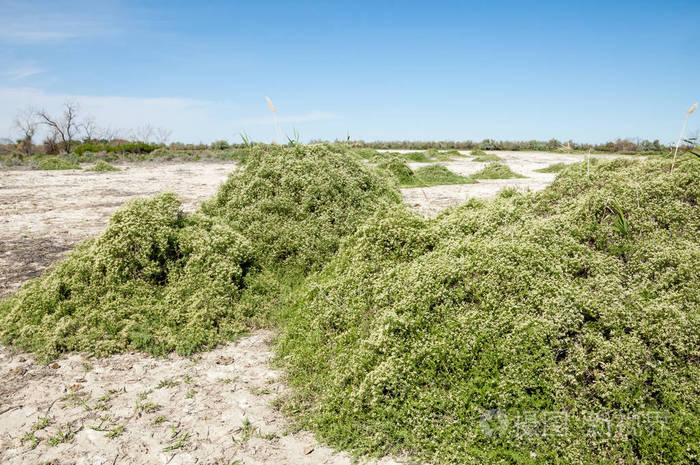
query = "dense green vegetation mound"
x=516 y=330
x=553 y=168
x=444 y=155
x=496 y=171
x=396 y=168
x=555 y=327
x=129 y=147
x=431 y=175
x=55 y=163
x=434 y=175
x=481 y=156
x=158 y=281
x=295 y=205
x=103 y=167
x=153 y=281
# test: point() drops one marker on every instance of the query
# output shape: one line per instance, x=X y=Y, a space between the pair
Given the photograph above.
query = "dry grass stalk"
x=685 y=124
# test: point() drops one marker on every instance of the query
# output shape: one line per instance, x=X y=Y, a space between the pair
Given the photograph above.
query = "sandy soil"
x=430 y=200
x=45 y=213
x=217 y=408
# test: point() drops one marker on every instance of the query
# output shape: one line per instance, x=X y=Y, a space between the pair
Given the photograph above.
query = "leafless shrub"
x=64 y=127
x=26 y=123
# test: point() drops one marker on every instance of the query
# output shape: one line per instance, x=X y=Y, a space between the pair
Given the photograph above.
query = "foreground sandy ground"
x=45 y=213
x=217 y=408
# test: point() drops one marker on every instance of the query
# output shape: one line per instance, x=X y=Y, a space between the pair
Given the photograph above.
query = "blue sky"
x=587 y=71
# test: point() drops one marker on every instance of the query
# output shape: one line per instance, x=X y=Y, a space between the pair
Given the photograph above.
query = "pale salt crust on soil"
x=430 y=200
x=216 y=408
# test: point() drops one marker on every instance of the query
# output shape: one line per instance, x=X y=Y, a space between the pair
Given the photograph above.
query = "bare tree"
x=66 y=126
x=143 y=133
x=110 y=134
x=26 y=123
x=90 y=129
x=162 y=135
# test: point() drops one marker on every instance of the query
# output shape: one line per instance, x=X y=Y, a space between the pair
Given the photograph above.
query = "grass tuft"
x=55 y=163
x=102 y=167
x=496 y=171
x=554 y=168
x=481 y=156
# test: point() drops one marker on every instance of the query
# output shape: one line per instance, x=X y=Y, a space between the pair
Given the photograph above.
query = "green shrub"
x=55 y=163
x=220 y=145
x=444 y=155
x=129 y=147
x=162 y=153
x=153 y=281
x=443 y=338
x=397 y=169
x=483 y=157
x=413 y=335
x=434 y=175
x=496 y=171
x=554 y=168
x=102 y=167
x=419 y=157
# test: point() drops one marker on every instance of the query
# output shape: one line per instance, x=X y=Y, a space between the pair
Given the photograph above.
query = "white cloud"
x=190 y=120
x=20 y=73
x=304 y=118
x=47 y=21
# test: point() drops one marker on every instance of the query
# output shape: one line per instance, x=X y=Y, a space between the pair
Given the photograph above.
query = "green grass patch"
x=444 y=155
x=416 y=157
x=496 y=171
x=481 y=156
x=435 y=175
x=554 y=168
x=102 y=167
x=55 y=163
x=430 y=175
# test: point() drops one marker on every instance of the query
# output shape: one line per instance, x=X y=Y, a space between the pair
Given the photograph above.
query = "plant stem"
x=588 y=162
x=685 y=123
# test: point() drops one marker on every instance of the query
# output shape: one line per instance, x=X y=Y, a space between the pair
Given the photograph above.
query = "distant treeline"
x=618 y=146
x=83 y=148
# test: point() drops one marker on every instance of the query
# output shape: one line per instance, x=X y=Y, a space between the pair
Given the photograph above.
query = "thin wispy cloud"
x=43 y=22
x=20 y=73
x=303 y=118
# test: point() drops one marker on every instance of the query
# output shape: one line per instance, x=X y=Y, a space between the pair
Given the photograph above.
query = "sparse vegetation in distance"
x=553 y=168
x=481 y=156
x=436 y=175
x=431 y=175
x=102 y=167
x=55 y=163
x=496 y=170
x=111 y=148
